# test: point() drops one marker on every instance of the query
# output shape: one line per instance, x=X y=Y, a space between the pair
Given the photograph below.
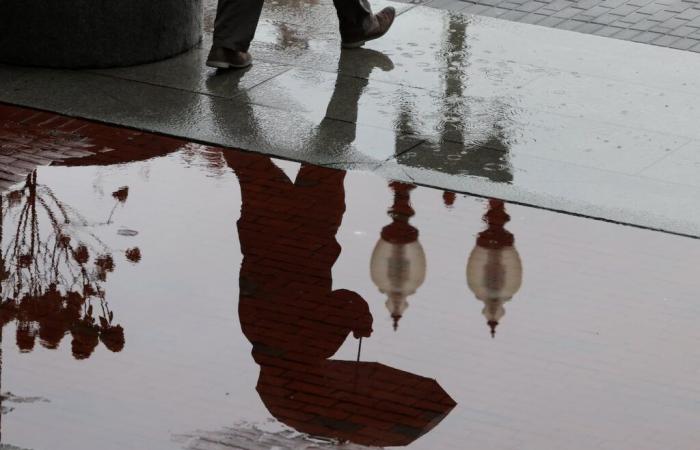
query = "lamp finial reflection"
x=494 y=270
x=398 y=263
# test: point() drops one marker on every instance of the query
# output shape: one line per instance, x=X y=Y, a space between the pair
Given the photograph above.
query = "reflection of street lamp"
x=398 y=261
x=494 y=271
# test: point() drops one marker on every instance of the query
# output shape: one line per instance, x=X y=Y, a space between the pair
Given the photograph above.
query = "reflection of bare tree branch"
x=51 y=273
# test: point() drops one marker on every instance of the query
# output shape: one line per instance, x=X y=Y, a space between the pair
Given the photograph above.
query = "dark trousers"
x=236 y=20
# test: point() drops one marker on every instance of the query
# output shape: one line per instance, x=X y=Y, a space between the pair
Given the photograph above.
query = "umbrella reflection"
x=296 y=321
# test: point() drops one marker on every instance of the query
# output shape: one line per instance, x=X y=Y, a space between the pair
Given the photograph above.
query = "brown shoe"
x=380 y=24
x=224 y=58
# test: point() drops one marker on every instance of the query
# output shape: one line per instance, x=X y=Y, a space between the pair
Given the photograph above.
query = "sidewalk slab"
x=551 y=118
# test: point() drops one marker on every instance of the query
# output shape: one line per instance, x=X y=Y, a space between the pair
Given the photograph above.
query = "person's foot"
x=224 y=58
x=380 y=24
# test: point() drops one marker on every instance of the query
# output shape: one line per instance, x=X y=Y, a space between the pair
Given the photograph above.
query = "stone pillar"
x=96 y=33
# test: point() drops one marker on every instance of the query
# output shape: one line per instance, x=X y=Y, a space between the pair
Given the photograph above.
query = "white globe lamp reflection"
x=494 y=269
x=398 y=264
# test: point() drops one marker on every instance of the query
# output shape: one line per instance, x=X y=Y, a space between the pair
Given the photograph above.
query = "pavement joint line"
x=663 y=158
x=392 y=157
x=160 y=86
x=288 y=69
x=410 y=179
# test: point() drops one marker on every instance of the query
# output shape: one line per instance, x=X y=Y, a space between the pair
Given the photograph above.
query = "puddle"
x=208 y=299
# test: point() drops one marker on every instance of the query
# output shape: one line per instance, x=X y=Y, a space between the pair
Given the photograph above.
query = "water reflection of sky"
x=598 y=340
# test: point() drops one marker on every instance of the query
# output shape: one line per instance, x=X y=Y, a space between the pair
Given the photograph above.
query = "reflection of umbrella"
x=363 y=402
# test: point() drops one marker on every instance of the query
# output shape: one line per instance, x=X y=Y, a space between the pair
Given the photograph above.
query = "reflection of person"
x=294 y=318
x=296 y=321
x=236 y=21
x=287 y=231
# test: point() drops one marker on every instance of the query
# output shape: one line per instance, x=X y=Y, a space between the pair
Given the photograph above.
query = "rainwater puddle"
x=209 y=299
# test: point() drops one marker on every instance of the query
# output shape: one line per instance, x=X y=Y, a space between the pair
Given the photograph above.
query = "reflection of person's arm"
x=356 y=311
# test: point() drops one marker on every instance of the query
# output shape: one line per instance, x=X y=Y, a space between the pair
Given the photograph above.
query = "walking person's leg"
x=234 y=28
x=357 y=23
x=236 y=21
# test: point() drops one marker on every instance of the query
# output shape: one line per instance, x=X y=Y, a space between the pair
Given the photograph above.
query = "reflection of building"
x=398 y=263
x=296 y=321
x=471 y=138
x=494 y=271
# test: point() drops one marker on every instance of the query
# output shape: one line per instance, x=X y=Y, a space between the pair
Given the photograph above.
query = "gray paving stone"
x=652 y=8
x=689 y=14
x=568 y=13
x=684 y=44
x=607 y=31
x=490 y=2
x=624 y=10
x=634 y=18
x=660 y=29
x=509 y=5
x=551 y=21
x=475 y=9
x=626 y=34
x=674 y=23
x=665 y=40
x=513 y=15
x=620 y=24
x=589 y=28
x=494 y=12
x=612 y=3
x=598 y=10
x=570 y=25
x=646 y=37
x=606 y=19
x=683 y=31
x=530 y=6
x=645 y=25
x=558 y=5
x=639 y=3
x=663 y=15
x=533 y=18
x=678 y=7
x=449 y=5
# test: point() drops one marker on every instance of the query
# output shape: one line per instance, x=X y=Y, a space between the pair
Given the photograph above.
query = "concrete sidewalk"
x=555 y=119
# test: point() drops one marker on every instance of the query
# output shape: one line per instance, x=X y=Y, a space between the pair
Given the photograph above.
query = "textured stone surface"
x=96 y=33
x=666 y=23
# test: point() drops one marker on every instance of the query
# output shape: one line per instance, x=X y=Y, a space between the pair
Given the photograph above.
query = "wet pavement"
x=163 y=294
x=533 y=115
